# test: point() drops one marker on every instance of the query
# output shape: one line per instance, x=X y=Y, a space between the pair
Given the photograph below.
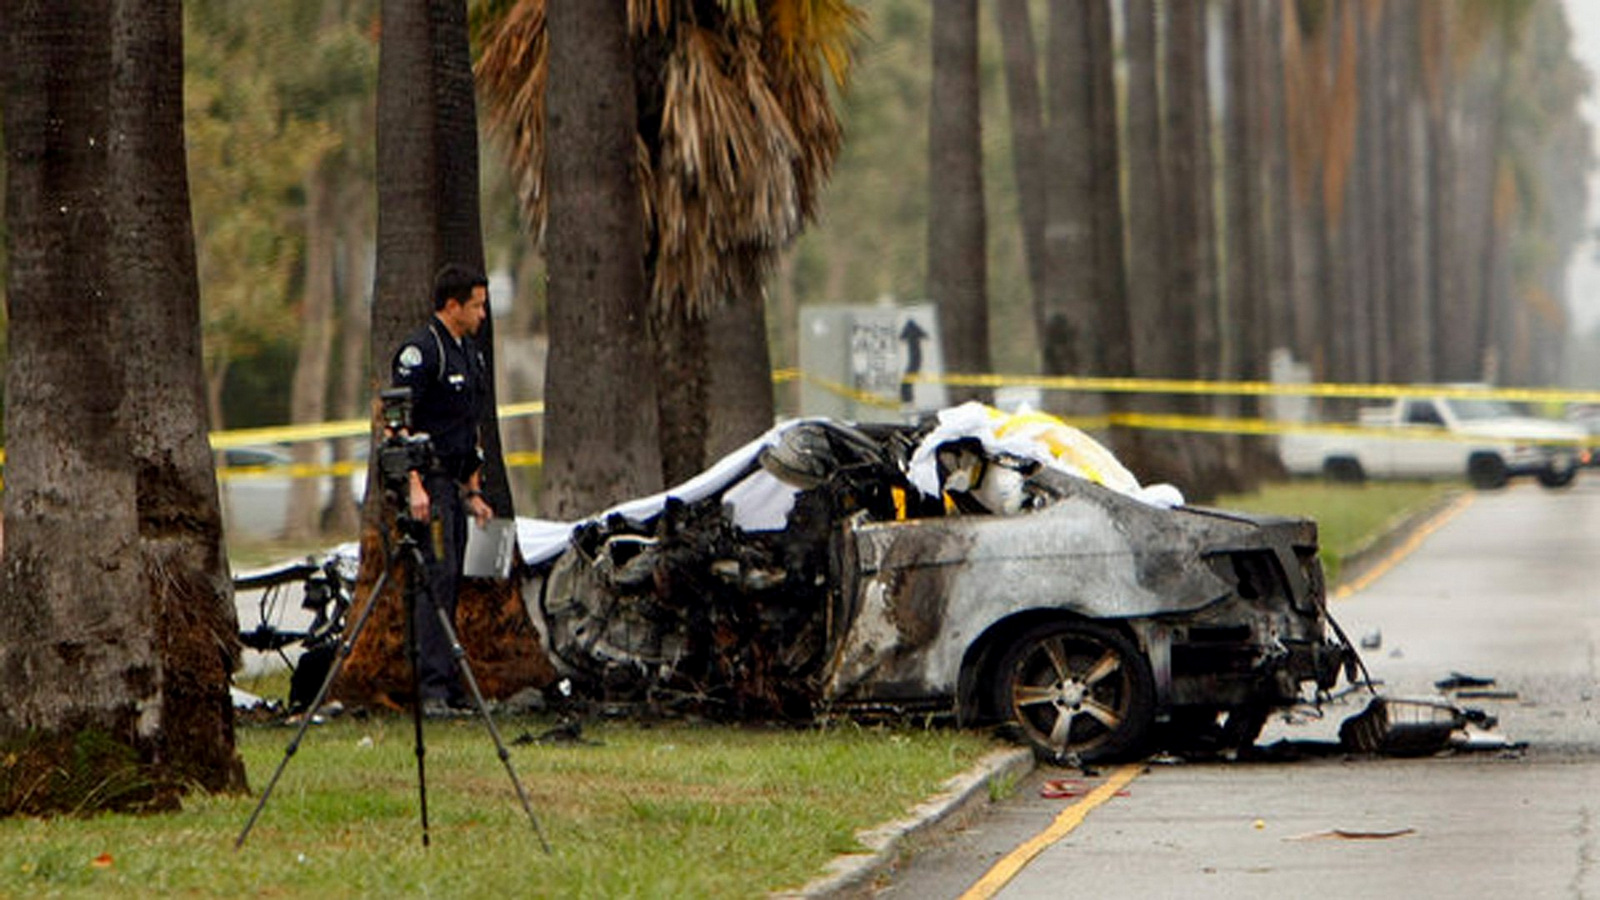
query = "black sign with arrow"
x=913 y=336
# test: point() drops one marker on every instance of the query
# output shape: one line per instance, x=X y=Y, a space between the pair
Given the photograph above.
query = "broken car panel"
x=1000 y=568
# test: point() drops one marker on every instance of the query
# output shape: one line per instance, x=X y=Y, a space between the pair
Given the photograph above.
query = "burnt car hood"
x=1093 y=552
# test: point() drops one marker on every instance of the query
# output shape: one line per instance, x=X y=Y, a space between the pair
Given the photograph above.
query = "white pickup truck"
x=1486 y=440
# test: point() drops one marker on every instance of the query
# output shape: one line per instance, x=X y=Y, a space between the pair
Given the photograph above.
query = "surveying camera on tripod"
x=399 y=455
x=401 y=452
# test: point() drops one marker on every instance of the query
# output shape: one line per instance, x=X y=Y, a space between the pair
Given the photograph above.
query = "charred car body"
x=810 y=573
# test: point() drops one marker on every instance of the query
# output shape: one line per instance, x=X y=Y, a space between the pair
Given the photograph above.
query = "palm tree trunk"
x=460 y=234
x=1278 y=266
x=352 y=388
x=1027 y=137
x=1406 y=274
x=1191 y=173
x=1065 y=314
x=1495 y=299
x=957 y=230
x=1242 y=210
x=1355 y=232
x=1148 y=251
x=408 y=239
x=1153 y=455
x=81 y=651
x=1451 y=346
x=428 y=215
x=309 y=390
x=1191 y=233
x=69 y=473
x=1246 y=302
x=1113 y=339
x=180 y=525
x=601 y=419
x=1247 y=305
x=682 y=376
x=407 y=243
x=1378 y=186
x=739 y=391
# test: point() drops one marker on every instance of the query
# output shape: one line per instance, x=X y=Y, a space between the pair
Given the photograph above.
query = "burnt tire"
x=1076 y=691
x=1487 y=471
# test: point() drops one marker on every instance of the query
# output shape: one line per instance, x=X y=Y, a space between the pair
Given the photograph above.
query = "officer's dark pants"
x=437 y=665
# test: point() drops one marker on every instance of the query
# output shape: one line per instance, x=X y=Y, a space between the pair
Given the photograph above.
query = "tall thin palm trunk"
x=739 y=390
x=1027 y=137
x=427 y=216
x=1064 y=315
x=957 y=228
x=180 y=523
x=601 y=420
x=308 y=391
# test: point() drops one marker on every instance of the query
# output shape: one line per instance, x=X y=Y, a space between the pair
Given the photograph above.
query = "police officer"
x=445 y=371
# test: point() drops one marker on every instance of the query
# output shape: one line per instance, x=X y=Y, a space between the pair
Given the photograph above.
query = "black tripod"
x=408 y=553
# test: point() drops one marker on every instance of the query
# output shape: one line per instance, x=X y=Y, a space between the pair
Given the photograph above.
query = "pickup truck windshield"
x=1475 y=410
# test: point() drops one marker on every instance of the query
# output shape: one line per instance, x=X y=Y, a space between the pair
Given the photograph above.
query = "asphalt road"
x=1506 y=586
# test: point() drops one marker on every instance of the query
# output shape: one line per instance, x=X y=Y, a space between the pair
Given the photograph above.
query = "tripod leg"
x=415 y=586
x=460 y=656
x=310 y=715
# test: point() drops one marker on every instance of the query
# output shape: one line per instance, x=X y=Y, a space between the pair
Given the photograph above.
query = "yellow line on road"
x=1405 y=549
x=1071 y=817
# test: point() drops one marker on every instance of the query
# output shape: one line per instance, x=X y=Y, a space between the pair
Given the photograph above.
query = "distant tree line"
x=1388 y=190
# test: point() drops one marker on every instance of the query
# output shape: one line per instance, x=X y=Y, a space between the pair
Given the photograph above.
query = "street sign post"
x=859 y=361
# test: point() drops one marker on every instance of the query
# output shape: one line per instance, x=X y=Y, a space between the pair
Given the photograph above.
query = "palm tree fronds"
x=747 y=133
x=827 y=28
x=643 y=15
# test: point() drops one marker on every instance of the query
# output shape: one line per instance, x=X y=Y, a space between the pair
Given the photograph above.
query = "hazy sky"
x=1583 y=276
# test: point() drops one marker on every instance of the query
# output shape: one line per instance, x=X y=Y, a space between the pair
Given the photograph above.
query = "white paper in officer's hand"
x=488 y=553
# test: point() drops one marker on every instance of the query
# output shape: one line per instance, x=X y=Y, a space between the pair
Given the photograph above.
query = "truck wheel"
x=1486 y=471
x=1077 y=689
x=1558 y=478
x=1344 y=470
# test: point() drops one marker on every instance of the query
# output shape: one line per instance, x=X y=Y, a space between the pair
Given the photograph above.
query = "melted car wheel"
x=1076 y=689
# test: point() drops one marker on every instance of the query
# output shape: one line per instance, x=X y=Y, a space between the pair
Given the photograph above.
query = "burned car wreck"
x=999 y=569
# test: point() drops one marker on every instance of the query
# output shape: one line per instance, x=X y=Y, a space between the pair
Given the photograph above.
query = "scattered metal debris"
x=567 y=731
x=1346 y=834
x=1408 y=726
x=1457 y=681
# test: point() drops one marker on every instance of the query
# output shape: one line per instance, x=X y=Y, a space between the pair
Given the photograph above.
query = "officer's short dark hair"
x=455 y=281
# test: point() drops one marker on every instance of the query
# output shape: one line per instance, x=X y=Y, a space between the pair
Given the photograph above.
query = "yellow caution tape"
x=1258 y=388
x=866 y=398
x=349 y=428
x=1221 y=425
x=289 y=434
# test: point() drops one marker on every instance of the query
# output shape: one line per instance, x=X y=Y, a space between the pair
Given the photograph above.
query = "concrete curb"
x=853 y=874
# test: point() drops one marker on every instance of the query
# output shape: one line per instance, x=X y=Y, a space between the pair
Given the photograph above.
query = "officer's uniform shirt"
x=448 y=386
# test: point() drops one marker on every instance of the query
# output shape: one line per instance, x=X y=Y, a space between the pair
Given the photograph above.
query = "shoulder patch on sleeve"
x=410 y=357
